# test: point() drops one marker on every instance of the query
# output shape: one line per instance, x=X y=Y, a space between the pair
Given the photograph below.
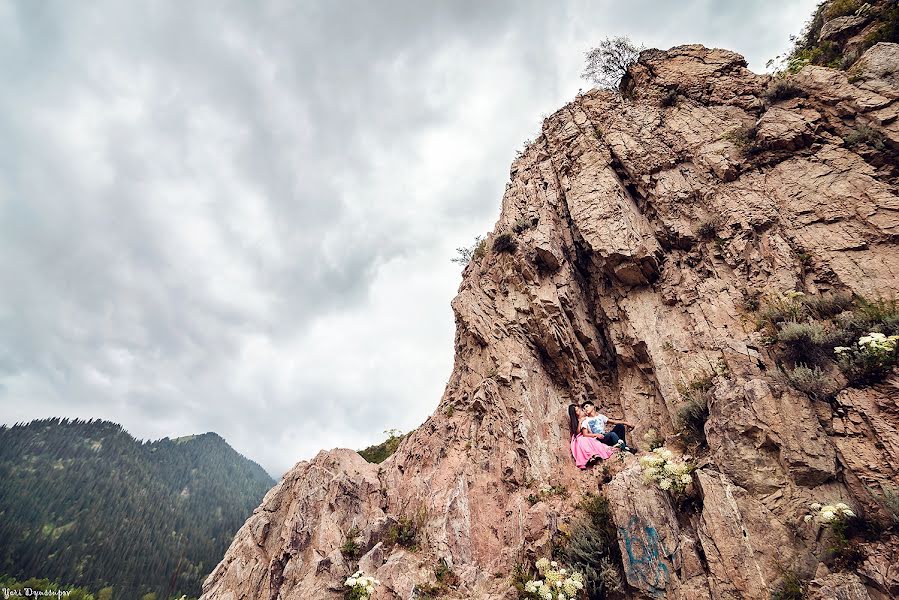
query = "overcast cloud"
x=238 y=216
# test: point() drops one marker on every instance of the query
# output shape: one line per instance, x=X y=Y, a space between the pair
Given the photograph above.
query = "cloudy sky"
x=238 y=216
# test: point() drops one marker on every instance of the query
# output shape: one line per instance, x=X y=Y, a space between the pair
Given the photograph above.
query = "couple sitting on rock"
x=589 y=439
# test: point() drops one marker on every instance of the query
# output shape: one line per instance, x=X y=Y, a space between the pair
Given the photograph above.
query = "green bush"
x=844 y=555
x=350 y=548
x=593 y=548
x=826 y=306
x=505 y=242
x=446 y=581
x=881 y=315
x=790 y=587
x=691 y=417
x=781 y=88
x=870 y=359
x=523 y=224
x=694 y=412
x=381 y=452
x=547 y=492
x=707 y=229
x=865 y=135
x=521 y=574
x=652 y=439
x=744 y=138
x=406 y=531
x=779 y=308
x=812 y=381
x=841 y=8
x=802 y=341
x=888 y=31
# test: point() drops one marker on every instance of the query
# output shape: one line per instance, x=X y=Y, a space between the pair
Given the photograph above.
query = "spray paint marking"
x=647 y=559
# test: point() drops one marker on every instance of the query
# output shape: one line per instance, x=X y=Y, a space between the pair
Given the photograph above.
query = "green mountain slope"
x=84 y=503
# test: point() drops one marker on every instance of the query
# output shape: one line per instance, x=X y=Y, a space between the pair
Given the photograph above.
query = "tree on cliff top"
x=608 y=62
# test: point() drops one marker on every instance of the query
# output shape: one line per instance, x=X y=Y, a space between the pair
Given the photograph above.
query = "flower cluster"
x=869 y=359
x=829 y=513
x=361 y=586
x=557 y=583
x=873 y=343
x=670 y=474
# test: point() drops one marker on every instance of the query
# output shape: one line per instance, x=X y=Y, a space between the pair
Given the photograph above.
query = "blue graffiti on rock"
x=647 y=561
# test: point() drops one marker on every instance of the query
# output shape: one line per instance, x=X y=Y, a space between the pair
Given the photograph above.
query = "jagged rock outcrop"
x=644 y=223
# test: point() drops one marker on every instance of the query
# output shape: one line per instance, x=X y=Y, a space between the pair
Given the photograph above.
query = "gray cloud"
x=230 y=217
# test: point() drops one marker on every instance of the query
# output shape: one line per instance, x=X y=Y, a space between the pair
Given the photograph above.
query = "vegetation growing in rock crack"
x=841 y=522
x=607 y=63
x=378 y=453
x=707 y=229
x=663 y=469
x=446 y=580
x=865 y=135
x=812 y=381
x=523 y=224
x=406 y=530
x=652 y=439
x=890 y=501
x=554 y=581
x=694 y=411
x=782 y=88
x=841 y=8
x=870 y=359
x=802 y=341
x=592 y=548
x=791 y=586
x=546 y=492
x=350 y=547
x=744 y=138
x=505 y=242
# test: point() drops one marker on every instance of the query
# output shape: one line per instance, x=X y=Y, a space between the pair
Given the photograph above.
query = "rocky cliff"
x=644 y=239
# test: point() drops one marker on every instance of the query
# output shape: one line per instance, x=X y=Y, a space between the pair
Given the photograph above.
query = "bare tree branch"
x=608 y=62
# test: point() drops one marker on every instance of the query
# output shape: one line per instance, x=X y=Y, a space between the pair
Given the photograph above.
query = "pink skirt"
x=585 y=448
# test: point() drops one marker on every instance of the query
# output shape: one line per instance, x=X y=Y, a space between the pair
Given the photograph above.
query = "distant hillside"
x=84 y=503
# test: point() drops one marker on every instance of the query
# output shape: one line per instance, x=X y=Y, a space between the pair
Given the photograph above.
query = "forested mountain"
x=84 y=503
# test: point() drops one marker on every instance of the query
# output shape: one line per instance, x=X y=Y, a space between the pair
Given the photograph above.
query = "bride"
x=585 y=450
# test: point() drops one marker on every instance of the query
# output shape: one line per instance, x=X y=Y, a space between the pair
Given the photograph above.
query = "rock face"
x=644 y=225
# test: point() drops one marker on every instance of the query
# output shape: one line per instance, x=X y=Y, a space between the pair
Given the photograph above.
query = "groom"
x=597 y=424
